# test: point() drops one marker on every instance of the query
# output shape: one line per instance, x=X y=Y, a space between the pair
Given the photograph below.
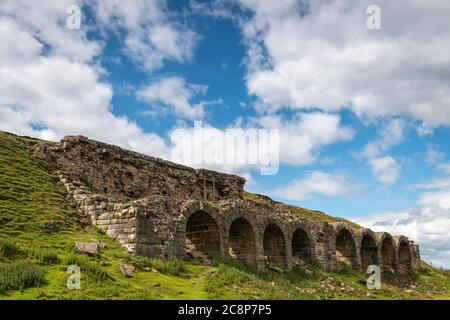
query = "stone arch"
x=368 y=250
x=387 y=248
x=346 y=253
x=242 y=241
x=301 y=244
x=199 y=231
x=274 y=245
x=404 y=255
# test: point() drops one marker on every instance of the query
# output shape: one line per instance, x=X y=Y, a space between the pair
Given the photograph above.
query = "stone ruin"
x=160 y=209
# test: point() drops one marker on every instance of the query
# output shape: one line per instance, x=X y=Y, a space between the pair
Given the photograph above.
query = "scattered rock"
x=275 y=268
x=127 y=270
x=309 y=272
x=87 y=247
x=101 y=245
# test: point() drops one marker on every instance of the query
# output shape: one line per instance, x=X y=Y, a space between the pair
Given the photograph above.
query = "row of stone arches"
x=391 y=257
x=272 y=244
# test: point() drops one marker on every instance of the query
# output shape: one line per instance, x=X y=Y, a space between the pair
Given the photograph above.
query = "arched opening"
x=202 y=235
x=388 y=256
x=274 y=247
x=241 y=241
x=301 y=247
x=369 y=252
x=345 y=249
x=404 y=257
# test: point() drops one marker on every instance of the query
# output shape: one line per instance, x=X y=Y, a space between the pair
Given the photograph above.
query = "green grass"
x=174 y=267
x=20 y=275
x=39 y=227
x=8 y=248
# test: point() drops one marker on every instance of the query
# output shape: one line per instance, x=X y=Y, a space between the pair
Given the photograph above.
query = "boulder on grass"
x=127 y=270
x=90 y=248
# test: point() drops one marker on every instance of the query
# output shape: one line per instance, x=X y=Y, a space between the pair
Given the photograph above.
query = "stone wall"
x=125 y=175
x=159 y=209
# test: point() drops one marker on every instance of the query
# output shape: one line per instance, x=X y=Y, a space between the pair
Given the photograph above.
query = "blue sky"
x=363 y=114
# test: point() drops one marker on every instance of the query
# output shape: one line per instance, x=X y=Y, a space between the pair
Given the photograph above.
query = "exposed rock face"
x=160 y=209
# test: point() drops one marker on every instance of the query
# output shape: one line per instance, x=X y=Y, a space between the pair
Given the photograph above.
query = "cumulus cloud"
x=314 y=183
x=302 y=136
x=46 y=21
x=49 y=95
x=150 y=33
x=173 y=92
x=427 y=222
x=436 y=159
x=334 y=61
x=390 y=133
x=385 y=169
x=298 y=141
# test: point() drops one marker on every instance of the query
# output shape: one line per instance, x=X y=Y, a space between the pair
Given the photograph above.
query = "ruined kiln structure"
x=160 y=209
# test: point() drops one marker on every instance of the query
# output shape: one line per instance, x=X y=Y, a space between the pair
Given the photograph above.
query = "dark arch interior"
x=345 y=249
x=301 y=246
x=388 y=256
x=369 y=252
x=242 y=243
x=202 y=235
x=274 y=247
x=404 y=257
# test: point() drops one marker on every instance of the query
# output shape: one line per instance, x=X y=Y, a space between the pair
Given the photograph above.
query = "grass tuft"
x=43 y=255
x=8 y=248
x=91 y=268
x=20 y=275
x=173 y=267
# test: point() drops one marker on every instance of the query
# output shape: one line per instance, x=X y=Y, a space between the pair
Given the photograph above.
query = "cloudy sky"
x=363 y=113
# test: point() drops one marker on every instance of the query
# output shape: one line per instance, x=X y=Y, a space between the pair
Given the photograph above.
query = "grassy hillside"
x=39 y=227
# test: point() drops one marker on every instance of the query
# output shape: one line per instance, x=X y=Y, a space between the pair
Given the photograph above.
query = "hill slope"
x=39 y=227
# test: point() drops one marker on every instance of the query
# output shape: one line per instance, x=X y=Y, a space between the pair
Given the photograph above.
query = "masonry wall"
x=159 y=209
x=126 y=175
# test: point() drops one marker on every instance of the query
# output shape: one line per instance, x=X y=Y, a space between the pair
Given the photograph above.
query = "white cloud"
x=445 y=167
x=436 y=158
x=427 y=222
x=317 y=182
x=437 y=184
x=213 y=8
x=49 y=96
x=174 y=93
x=385 y=169
x=391 y=133
x=433 y=156
x=321 y=54
x=301 y=139
x=150 y=32
x=46 y=21
x=305 y=133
